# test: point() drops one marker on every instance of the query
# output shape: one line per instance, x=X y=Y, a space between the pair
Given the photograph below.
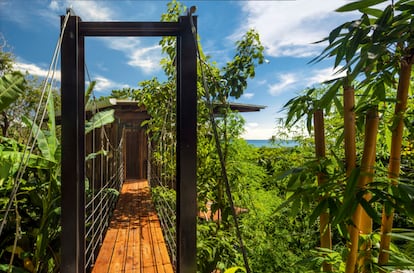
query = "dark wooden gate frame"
x=73 y=133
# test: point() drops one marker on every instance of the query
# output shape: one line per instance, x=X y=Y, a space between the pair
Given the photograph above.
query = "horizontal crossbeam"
x=129 y=29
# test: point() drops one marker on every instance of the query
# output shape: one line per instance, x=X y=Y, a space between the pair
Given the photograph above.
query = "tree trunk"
x=395 y=155
x=362 y=223
x=325 y=227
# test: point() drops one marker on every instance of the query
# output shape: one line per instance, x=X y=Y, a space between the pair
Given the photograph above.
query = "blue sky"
x=287 y=30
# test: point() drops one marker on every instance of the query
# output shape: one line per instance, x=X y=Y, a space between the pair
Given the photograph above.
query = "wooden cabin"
x=128 y=126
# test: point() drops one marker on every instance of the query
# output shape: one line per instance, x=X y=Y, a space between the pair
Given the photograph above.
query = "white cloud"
x=285 y=82
x=146 y=58
x=102 y=84
x=287 y=28
x=301 y=80
x=255 y=131
x=34 y=70
x=248 y=95
x=106 y=85
x=326 y=74
x=87 y=10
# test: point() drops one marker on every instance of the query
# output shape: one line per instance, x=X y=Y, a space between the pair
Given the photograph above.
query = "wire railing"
x=162 y=181
x=105 y=173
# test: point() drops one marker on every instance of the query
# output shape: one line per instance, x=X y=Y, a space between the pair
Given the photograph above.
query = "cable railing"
x=162 y=181
x=105 y=173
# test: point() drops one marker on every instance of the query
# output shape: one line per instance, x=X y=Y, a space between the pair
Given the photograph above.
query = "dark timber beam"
x=129 y=28
x=186 y=147
x=73 y=149
x=73 y=134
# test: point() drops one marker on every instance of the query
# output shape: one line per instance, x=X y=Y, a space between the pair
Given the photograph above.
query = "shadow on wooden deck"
x=134 y=240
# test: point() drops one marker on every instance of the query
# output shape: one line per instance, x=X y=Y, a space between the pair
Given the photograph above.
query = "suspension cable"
x=46 y=91
x=218 y=146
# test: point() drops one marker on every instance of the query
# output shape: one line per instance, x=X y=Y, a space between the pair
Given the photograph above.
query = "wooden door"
x=135 y=154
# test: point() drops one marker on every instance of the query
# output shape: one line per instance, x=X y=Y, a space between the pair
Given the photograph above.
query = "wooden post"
x=73 y=149
x=186 y=147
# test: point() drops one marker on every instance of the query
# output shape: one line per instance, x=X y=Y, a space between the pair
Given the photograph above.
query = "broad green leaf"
x=41 y=139
x=14 y=269
x=94 y=155
x=99 y=119
x=235 y=269
x=34 y=161
x=88 y=93
x=359 y=5
x=51 y=138
x=11 y=87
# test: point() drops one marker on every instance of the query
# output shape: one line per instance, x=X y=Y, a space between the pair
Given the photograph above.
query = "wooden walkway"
x=134 y=240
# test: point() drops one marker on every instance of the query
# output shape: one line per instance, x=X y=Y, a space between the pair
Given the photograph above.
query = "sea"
x=268 y=143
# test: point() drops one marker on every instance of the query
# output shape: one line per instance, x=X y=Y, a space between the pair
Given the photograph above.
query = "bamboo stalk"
x=349 y=127
x=362 y=223
x=395 y=155
x=350 y=158
x=325 y=227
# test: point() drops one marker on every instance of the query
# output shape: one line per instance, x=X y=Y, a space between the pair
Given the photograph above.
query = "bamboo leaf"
x=320 y=208
x=371 y=11
x=327 y=98
x=407 y=237
x=334 y=33
x=370 y=210
x=358 y=5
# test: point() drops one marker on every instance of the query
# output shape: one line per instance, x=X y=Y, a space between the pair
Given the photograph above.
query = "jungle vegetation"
x=342 y=200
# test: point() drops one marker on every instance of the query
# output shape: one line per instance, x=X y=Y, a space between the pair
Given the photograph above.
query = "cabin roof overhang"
x=126 y=104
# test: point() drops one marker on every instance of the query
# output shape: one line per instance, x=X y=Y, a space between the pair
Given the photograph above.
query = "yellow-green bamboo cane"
x=349 y=127
x=395 y=153
x=350 y=148
x=362 y=223
x=325 y=227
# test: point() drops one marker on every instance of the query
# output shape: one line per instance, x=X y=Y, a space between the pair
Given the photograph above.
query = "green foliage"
x=235 y=269
x=370 y=50
x=11 y=87
x=31 y=237
x=236 y=72
x=98 y=120
x=32 y=229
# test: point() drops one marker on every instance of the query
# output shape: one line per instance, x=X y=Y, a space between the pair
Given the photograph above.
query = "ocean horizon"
x=267 y=143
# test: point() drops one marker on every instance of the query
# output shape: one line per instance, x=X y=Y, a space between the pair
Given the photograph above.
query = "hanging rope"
x=47 y=88
x=217 y=143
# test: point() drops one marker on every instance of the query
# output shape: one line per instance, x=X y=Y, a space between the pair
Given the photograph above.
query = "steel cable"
x=218 y=146
x=47 y=88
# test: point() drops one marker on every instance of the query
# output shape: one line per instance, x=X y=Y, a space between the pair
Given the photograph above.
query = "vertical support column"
x=186 y=147
x=73 y=149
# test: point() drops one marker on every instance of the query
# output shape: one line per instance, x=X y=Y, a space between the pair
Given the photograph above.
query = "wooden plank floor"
x=134 y=240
